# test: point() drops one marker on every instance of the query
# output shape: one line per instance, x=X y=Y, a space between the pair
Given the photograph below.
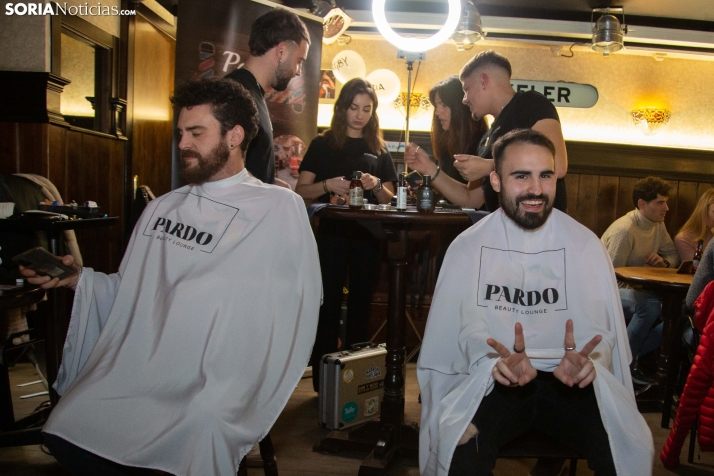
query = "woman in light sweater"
x=698 y=227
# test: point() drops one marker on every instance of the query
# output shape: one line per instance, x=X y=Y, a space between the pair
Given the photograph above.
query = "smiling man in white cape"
x=184 y=359
x=526 y=331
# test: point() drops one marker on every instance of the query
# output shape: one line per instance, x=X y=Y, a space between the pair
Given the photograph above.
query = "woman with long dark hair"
x=353 y=143
x=453 y=131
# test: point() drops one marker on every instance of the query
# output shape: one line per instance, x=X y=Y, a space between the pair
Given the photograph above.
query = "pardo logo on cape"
x=525 y=283
x=184 y=232
x=189 y=222
x=521 y=297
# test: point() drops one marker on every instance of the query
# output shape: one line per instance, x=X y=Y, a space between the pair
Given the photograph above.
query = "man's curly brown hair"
x=648 y=188
x=231 y=103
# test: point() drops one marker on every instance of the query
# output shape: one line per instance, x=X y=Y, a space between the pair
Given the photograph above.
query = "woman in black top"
x=453 y=131
x=353 y=143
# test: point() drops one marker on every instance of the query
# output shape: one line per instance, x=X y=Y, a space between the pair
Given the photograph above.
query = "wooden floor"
x=294 y=435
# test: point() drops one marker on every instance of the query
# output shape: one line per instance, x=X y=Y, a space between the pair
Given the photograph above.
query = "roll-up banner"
x=212 y=41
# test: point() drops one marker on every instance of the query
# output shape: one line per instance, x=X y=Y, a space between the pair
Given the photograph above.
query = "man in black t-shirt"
x=278 y=44
x=486 y=81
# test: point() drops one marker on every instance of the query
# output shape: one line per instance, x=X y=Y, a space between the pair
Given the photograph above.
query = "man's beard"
x=283 y=75
x=205 y=168
x=524 y=219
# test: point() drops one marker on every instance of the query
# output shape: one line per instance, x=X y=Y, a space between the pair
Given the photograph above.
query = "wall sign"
x=560 y=93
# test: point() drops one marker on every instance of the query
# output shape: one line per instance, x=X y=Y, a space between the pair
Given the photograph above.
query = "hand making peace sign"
x=514 y=368
x=576 y=368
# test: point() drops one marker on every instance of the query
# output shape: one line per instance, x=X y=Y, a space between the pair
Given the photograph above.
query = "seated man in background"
x=640 y=238
x=536 y=270
x=183 y=360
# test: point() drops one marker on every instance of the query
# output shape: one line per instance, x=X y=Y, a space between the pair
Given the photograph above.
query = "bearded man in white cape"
x=526 y=331
x=183 y=360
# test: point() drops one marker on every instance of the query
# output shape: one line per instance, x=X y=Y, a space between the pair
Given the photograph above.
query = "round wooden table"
x=389 y=437
x=671 y=287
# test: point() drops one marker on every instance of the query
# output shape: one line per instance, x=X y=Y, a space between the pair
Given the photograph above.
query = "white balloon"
x=385 y=83
x=348 y=64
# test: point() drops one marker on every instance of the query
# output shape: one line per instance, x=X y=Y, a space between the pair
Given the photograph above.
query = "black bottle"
x=697 y=256
x=425 y=196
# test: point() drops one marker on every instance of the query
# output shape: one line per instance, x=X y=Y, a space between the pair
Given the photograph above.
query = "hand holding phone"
x=41 y=267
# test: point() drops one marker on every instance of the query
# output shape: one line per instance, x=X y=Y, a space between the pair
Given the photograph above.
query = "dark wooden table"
x=23 y=432
x=389 y=437
x=671 y=288
x=55 y=334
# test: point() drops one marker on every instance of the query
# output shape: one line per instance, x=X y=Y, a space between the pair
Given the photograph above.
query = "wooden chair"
x=267 y=453
x=539 y=445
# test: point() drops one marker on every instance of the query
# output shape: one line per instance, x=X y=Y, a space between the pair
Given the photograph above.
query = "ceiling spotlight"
x=608 y=32
x=469 y=29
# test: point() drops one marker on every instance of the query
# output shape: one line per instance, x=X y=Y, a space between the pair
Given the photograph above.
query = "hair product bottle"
x=356 y=190
x=425 y=196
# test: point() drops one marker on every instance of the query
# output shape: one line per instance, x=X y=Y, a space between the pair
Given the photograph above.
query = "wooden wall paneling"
x=152 y=132
x=640 y=161
x=606 y=203
x=703 y=187
x=94 y=154
x=571 y=190
x=685 y=199
x=76 y=177
x=98 y=169
x=624 y=195
x=9 y=154
x=32 y=149
x=57 y=152
x=586 y=211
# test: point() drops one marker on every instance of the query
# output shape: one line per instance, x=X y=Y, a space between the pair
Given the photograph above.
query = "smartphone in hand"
x=44 y=263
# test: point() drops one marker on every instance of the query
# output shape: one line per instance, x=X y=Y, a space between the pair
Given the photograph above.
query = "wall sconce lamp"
x=608 y=32
x=469 y=30
x=418 y=104
x=650 y=119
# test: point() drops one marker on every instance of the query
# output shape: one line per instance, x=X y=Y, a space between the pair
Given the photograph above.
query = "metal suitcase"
x=352 y=385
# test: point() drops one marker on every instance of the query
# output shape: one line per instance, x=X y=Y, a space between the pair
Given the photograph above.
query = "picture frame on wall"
x=327 y=90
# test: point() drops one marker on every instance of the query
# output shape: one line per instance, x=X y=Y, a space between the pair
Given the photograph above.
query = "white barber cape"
x=184 y=359
x=496 y=274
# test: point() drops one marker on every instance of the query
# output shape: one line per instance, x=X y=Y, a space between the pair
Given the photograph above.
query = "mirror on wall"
x=78 y=97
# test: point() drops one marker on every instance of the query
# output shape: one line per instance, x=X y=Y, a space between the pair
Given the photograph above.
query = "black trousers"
x=85 y=463
x=344 y=248
x=568 y=415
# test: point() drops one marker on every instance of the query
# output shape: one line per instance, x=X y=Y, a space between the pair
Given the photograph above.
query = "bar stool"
x=267 y=453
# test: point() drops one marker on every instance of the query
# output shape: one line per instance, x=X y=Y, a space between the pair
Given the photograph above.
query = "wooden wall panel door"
x=624 y=195
x=606 y=203
x=571 y=190
x=685 y=194
x=586 y=200
x=153 y=80
x=75 y=166
x=24 y=148
x=703 y=187
x=57 y=166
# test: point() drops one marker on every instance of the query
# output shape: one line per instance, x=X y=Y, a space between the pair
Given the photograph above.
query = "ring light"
x=416 y=44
